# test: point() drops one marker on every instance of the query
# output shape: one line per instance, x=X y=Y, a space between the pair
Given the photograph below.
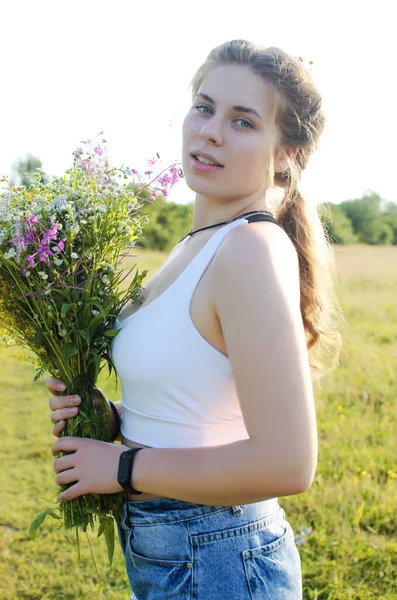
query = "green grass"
x=349 y=514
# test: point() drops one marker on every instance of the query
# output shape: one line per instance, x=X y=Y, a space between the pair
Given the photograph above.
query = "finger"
x=63 y=414
x=67 y=444
x=56 y=402
x=71 y=493
x=54 y=385
x=64 y=462
x=66 y=477
x=58 y=428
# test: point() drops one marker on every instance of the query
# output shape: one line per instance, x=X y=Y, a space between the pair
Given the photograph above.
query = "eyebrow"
x=236 y=107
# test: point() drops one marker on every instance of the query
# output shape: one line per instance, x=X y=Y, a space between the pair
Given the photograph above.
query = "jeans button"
x=189 y=565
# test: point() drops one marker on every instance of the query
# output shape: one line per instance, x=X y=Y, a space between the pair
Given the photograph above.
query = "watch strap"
x=124 y=474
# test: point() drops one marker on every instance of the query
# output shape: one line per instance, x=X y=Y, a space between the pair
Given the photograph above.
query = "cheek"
x=249 y=166
x=187 y=127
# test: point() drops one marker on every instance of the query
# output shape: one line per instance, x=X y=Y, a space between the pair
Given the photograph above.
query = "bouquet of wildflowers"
x=61 y=247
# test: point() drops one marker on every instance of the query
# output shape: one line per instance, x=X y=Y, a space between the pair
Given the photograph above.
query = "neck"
x=208 y=211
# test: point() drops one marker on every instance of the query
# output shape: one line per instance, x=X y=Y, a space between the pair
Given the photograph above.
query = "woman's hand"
x=62 y=407
x=92 y=466
x=65 y=407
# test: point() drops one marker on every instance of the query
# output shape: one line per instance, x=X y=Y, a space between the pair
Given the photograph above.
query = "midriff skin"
x=202 y=311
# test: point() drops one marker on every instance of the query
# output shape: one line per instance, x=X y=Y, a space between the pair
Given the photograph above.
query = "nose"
x=211 y=131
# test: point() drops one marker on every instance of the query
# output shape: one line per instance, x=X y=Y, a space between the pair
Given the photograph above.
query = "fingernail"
x=61 y=386
x=75 y=399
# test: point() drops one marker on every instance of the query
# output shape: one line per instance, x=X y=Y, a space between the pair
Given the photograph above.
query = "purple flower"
x=98 y=150
x=51 y=234
x=29 y=238
x=32 y=219
x=23 y=272
x=30 y=260
x=61 y=245
x=44 y=252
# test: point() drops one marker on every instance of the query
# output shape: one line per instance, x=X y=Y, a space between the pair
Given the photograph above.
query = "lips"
x=207 y=157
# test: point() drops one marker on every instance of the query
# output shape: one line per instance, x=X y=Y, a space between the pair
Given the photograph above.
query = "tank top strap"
x=194 y=271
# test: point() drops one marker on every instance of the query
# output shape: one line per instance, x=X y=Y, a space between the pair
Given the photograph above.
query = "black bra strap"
x=263 y=217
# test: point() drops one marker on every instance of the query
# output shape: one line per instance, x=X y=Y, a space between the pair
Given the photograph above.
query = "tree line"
x=365 y=220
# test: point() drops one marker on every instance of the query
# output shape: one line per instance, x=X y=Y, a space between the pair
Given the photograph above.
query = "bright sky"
x=71 y=69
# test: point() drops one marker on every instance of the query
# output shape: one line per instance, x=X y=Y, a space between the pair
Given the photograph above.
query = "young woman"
x=218 y=400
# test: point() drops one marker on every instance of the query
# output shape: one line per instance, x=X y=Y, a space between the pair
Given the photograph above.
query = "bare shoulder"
x=257 y=251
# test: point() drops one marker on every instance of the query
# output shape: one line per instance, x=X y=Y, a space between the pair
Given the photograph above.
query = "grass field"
x=346 y=524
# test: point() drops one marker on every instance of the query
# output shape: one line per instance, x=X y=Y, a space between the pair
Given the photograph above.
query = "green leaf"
x=102 y=525
x=39 y=336
x=111 y=333
x=97 y=359
x=41 y=369
x=68 y=350
x=109 y=537
x=85 y=335
x=38 y=521
x=65 y=309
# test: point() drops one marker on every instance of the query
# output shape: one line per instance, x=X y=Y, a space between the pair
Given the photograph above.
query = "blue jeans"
x=182 y=551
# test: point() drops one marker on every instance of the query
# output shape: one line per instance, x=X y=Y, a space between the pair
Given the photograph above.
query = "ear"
x=283 y=156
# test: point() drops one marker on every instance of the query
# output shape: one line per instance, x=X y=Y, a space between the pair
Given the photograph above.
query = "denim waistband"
x=167 y=510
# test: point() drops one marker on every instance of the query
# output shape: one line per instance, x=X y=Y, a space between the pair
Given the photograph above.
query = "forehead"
x=239 y=85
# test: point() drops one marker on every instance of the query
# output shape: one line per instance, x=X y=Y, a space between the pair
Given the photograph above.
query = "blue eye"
x=202 y=106
x=245 y=121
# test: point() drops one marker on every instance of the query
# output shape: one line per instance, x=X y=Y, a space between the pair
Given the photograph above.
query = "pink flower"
x=61 y=245
x=51 y=234
x=152 y=161
x=44 y=252
x=32 y=219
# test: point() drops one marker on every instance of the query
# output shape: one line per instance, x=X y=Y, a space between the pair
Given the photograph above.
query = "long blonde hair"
x=300 y=120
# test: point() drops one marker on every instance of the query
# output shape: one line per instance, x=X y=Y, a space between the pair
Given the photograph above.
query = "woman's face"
x=231 y=120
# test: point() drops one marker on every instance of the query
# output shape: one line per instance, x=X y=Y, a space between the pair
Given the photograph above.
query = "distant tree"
x=169 y=221
x=367 y=219
x=390 y=219
x=337 y=224
x=23 y=167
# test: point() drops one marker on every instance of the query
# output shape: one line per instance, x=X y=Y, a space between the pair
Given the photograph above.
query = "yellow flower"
x=342 y=416
x=392 y=474
x=363 y=473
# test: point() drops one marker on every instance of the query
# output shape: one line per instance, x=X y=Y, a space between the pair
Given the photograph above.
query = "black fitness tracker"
x=125 y=470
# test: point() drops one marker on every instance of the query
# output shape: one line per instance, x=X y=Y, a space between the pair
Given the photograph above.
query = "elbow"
x=304 y=477
x=297 y=478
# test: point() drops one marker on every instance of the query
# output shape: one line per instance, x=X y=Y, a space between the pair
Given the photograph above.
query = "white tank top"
x=177 y=389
